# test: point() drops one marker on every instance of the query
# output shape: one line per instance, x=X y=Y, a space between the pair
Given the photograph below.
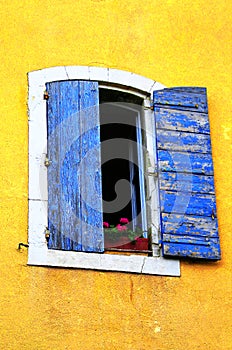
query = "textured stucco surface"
x=176 y=43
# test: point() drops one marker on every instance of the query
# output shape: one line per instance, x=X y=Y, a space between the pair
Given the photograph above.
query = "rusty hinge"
x=47 y=162
x=47 y=234
x=151 y=108
x=46 y=95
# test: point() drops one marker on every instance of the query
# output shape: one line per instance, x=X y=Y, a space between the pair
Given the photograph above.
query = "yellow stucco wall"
x=176 y=43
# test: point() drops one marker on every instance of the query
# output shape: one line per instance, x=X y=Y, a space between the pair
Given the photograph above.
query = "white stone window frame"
x=38 y=253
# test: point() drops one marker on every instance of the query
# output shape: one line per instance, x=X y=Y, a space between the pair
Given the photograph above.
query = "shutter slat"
x=171 y=119
x=182 y=100
x=188 y=239
x=187 y=198
x=176 y=181
x=194 y=251
x=189 y=89
x=68 y=131
x=91 y=197
x=187 y=203
x=70 y=124
x=183 y=142
x=179 y=224
x=193 y=163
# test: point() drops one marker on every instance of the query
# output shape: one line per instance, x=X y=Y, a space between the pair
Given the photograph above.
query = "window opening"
x=123 y=187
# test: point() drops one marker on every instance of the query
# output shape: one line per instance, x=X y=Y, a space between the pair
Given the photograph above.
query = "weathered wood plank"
x=183 y=142
x=173 y=181
x=187 y=203
x=189 y=89
x=195 y=163
x=179 y=224
x=211 y=251
x=90 y=170
x=69 y=130
x=181 y=100
x=170 y=119
x=54 y=189
x=190 y=239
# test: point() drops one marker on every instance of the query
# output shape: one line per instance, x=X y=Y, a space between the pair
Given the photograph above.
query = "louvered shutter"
x=187 y=197
x=74 y=173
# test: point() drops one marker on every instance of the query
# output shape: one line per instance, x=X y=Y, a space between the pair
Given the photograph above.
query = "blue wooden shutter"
x=74 y=175
x=187 y=198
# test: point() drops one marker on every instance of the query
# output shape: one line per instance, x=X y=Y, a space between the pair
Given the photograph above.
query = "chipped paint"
x=182 y=193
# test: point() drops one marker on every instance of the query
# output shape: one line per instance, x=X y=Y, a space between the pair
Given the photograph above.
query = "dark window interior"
x=118 y=142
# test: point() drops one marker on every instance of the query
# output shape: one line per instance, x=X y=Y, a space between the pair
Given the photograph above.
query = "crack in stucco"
x=131 y=290
x=66 y=72
x=143 y=263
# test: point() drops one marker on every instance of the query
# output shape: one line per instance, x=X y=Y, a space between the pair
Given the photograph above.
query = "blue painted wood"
x=171 y=119
x=188 y=207
x=58 y=239
x=193 y=163
x=187 y=203
x=185 y=99
x=199 y=240
x=90 y=169
x=182 y=141
x=189 y=89
x=176 y=181
x=192 y=225
x=194 y=250
x=75 y=219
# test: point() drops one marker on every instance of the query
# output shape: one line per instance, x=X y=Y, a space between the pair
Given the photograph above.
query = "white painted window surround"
x=39 y=254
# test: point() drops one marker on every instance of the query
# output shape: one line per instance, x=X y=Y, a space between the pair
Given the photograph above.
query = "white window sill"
x=42 y=256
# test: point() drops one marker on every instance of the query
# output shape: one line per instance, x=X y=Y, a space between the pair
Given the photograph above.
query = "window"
x=123 y=185
x=178 y=186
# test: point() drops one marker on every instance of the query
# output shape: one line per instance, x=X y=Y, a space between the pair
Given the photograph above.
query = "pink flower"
x=106 y=224
x=121 y=228
x=124 y=221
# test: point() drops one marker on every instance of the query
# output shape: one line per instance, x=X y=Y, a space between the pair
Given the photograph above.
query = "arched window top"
x=105 y=75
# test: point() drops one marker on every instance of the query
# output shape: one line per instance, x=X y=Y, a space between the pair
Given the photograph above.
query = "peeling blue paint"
x=187 y=196
x=183 y=121
x=74 y=189
x=185 y=162
x=189 y=99
x=177 y=181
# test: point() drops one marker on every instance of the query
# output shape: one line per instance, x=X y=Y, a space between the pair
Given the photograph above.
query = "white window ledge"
x=39 y=254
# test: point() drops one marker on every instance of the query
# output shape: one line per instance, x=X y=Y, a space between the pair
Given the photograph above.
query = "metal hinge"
x=213 y=215
x=47 y=234
x=47 y=162
x=148 y=104
x=151 y=108
x=153 y=173
x=46 y=95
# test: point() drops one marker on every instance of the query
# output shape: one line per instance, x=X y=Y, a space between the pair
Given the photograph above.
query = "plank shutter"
x=74 y=173
x=187 y=197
